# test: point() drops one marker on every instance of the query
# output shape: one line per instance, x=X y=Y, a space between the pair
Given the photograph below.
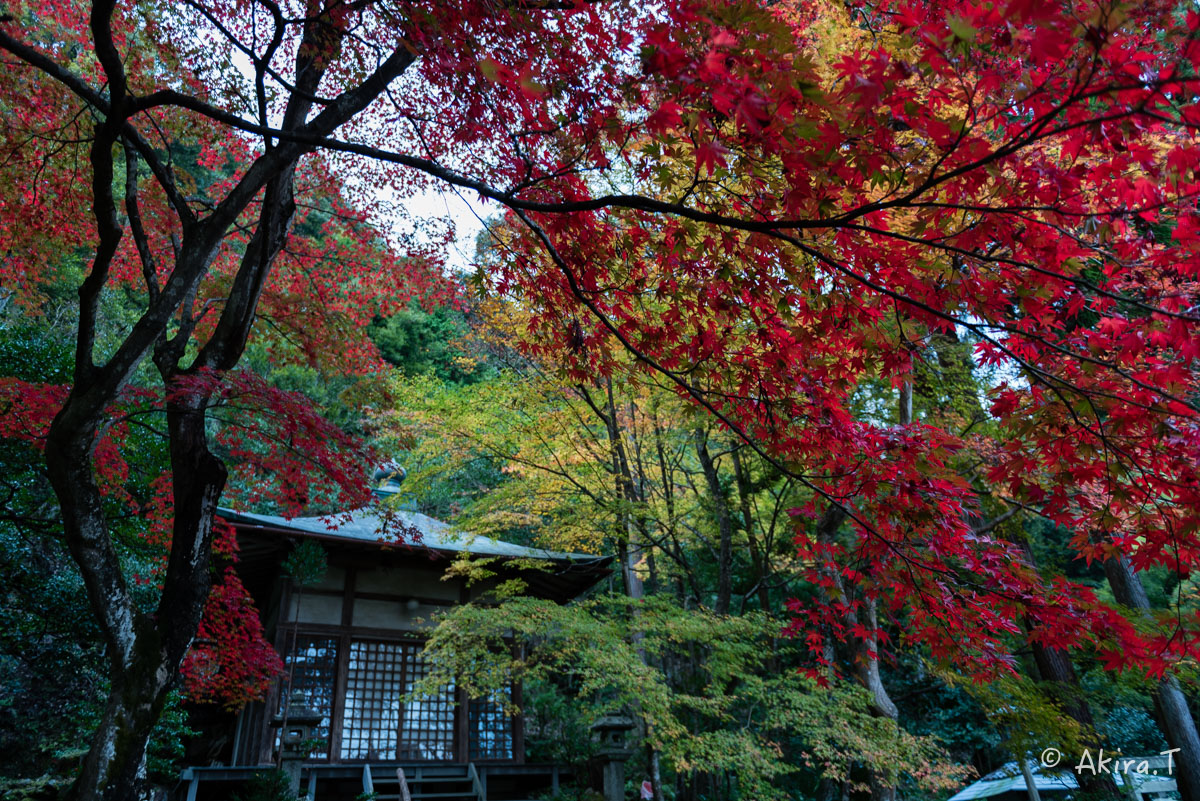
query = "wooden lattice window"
x=375 y=722
x=491 y=728
x=312 y=667
x=427 y=727
x=373 y=704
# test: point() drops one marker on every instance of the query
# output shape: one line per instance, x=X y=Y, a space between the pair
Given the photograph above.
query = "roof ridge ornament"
x=386 y=479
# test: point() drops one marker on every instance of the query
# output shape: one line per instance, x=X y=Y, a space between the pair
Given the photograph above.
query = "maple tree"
x=210 y=239
x=706 y=185
x=920 y=203
x=527 y=452
x=940 y=235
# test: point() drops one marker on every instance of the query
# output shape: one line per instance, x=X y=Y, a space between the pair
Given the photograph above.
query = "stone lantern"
x=298 y=725
x=612 y=731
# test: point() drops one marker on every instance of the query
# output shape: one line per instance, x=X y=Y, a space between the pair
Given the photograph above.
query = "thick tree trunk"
x=117 y=752
x=145 y=650
x=1054 y=665
x=1177 y=722
x=70 y=443
x=1170 y=704
x=145 y=655
x=881 y=703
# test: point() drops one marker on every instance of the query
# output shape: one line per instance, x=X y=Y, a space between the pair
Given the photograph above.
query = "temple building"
x=351 y=644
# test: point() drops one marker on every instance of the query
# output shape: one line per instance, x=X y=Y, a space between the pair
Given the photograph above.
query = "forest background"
x=498 y=444
x=882 y=396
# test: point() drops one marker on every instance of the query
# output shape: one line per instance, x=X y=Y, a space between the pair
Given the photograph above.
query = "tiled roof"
x=1009 y=778
x=397 y=526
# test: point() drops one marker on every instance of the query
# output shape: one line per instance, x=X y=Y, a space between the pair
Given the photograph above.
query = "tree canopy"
x=928 y=267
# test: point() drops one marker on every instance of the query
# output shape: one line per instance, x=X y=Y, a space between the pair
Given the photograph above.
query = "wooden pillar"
x=518 y=724
x=462 y=726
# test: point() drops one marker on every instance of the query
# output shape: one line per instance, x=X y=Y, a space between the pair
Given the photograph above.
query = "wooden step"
x=424 y=783
x=418 y=796
x=390 y=776
x=441 y=783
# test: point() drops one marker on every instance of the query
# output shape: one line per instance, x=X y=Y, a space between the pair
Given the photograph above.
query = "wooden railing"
x=476 y=784
x=404 y=794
